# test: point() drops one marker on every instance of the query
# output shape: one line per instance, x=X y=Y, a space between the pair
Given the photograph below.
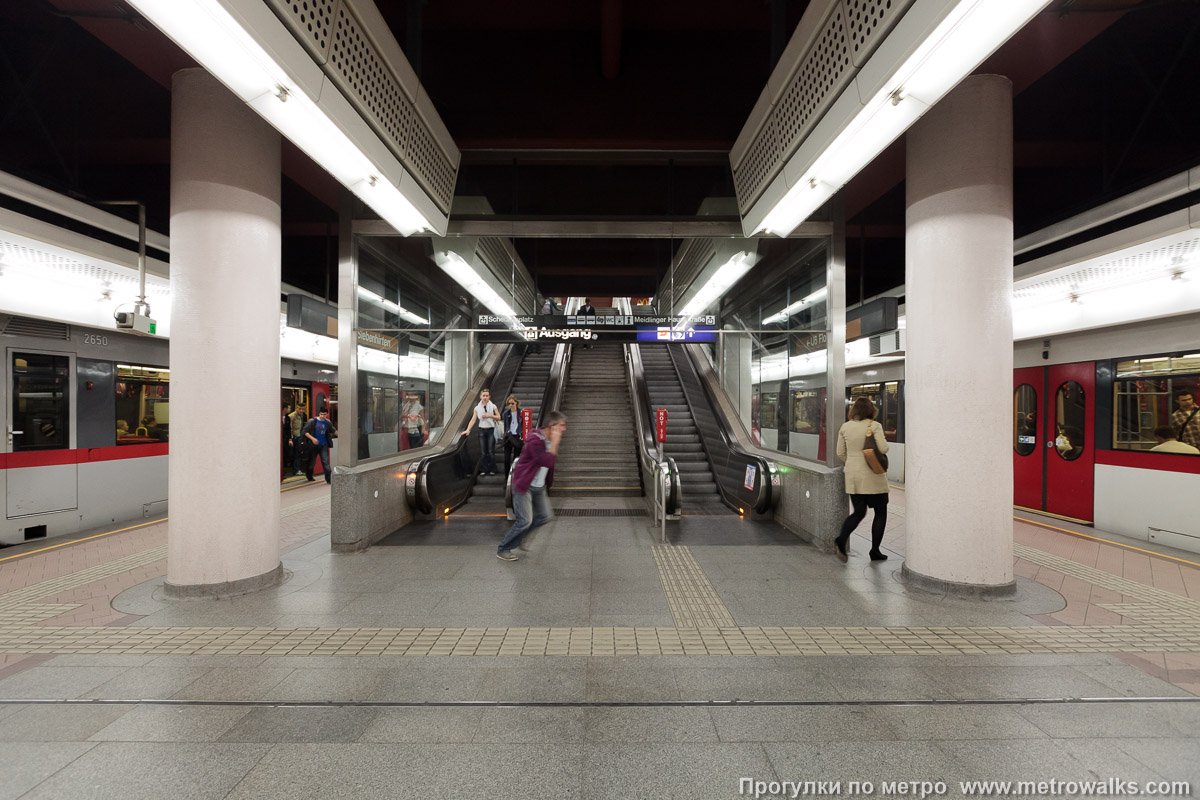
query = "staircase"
x=683 y=439
x=597 y=456
x=529 y=385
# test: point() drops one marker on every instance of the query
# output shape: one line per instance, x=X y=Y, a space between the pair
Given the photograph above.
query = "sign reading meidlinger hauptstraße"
x=596 y=321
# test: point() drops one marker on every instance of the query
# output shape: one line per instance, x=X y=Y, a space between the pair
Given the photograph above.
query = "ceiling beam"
x=542 y=228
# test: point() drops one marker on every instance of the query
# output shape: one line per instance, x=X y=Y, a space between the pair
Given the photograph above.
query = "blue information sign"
x=666 y=333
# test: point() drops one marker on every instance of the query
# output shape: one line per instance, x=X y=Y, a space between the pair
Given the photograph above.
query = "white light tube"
x=395 y=308
x=971 y=32
x=729 y=274
x=798 y=306
x=221 y=45
x=466 y=276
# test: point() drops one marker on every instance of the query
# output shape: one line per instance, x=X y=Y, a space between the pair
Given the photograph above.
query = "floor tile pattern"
x=693 y=601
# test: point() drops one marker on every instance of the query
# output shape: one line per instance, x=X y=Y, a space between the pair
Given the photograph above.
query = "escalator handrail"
x=643 y=414
x=764 y=501
x=417 y=486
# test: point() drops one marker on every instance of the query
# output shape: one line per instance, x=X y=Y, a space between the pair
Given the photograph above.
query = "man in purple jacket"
x=532 y=475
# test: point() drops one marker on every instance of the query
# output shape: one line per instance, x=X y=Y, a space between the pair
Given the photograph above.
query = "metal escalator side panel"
x=643 y=410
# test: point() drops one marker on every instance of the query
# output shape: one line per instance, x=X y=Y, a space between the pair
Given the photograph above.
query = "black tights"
x=860 y=504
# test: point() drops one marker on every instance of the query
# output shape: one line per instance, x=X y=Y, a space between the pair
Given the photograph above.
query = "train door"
x=1053 y=452
x=42 y=475
x=1070 y=463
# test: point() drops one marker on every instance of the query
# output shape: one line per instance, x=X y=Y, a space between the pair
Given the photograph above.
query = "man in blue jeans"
x=532 y=475
x=319 y=432
x=487 y=415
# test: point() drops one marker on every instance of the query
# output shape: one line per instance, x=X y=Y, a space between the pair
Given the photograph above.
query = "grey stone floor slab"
x=701 y=771
x=535 y=684
x=446 y=684
x=147 y=683
x=318 y=685
x=1019 y=759
x=301 y=724
x=976 y=683
x=26 y=764
x=649 y=724
x=762 y=684
x=1173 y=759
x=530 y=725
x=852 y=761
x=151 y=771
x=1129 y=682
x=633 y=603
x=153 y=723
x=423 y=725
x=233 y=683
x=51 y=682
x=1102 y=720
x=626 y=681
x=959 y=722
x=452 y=771
x=58 y=723
x=801 y=724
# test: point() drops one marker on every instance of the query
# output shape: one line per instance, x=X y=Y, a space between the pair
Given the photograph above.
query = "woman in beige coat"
x=866 y=488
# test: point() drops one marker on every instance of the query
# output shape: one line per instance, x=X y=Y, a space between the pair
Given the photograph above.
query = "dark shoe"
x=878 y=556
x=330 y=480
x=840 y=551
x=310 y=478
x=506 y=556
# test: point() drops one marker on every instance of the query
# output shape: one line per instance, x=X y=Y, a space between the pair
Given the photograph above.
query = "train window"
x=41 y=402
x=143 y=404
x=1149 y=394
x=1069 y=421
x=1025 y=420
x=808 y=411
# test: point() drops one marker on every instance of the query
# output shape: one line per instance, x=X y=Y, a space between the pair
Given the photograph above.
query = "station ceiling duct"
x=329 y=75
x=854 y=76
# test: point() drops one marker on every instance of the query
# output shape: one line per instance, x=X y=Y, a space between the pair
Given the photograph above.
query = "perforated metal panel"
x=1113 y=272
x=311 y=22
x=850 y=32
x=500 y=257
x=335 y=36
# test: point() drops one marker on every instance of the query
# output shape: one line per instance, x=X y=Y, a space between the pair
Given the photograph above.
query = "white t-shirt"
x=481 y=409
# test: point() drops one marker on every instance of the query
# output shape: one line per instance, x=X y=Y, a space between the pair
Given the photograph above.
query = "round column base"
x=972 y=590
x=220 y=591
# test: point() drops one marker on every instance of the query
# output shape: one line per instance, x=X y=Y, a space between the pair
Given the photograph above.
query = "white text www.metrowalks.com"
x=1111 y=787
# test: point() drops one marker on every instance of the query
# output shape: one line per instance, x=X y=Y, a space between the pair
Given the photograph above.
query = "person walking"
x=285 y=443
x=533 y=474
x=510 y=426
x=320 y=432
x=414 y=422
x=297 y=419
x=867 y=489
x=487 y=415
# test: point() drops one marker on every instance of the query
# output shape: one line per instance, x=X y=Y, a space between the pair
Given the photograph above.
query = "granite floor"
x=602 y=664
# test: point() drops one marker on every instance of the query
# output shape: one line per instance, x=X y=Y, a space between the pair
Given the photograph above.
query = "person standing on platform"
x=285 y=443
x=865 y=487
x=510 y=425
x=1186 y=418
x=297 y=419
x=414 y=422
x=320 y=433
x=487 y=415
x=533 y=475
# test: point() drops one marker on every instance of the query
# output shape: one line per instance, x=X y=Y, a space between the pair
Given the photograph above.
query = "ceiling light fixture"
x=222 y=45
x=465 y=275
x=395 y=308
x=722 y=280
x=967 y=34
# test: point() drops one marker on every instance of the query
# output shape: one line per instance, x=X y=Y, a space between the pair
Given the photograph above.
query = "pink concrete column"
x=959 y=355
x=223 y=529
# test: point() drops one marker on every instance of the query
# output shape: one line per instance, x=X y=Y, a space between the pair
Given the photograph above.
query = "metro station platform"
x=602 y=664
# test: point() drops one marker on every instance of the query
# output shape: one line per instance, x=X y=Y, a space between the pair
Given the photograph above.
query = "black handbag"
x=877 y=461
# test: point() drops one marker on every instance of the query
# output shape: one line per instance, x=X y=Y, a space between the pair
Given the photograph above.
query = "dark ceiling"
x=611 y=109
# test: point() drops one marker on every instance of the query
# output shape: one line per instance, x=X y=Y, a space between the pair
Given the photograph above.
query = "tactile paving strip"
x=694 y=602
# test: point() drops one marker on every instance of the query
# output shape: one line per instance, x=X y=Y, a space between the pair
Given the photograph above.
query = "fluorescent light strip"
x=722 y=280
x=798 y=306
x=221 y=45
x=970 y=33
x=395 y=308
x=465 y=275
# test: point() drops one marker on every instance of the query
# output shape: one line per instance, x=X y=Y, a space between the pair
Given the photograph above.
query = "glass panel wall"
x=143 y=404
x=410 y=321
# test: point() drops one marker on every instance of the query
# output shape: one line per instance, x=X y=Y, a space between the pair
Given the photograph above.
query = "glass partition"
x=1153 y=393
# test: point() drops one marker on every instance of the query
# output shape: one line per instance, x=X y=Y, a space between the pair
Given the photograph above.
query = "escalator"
x=717 y=474
x=439 y=483
x=529 y=385
x=683 y=438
